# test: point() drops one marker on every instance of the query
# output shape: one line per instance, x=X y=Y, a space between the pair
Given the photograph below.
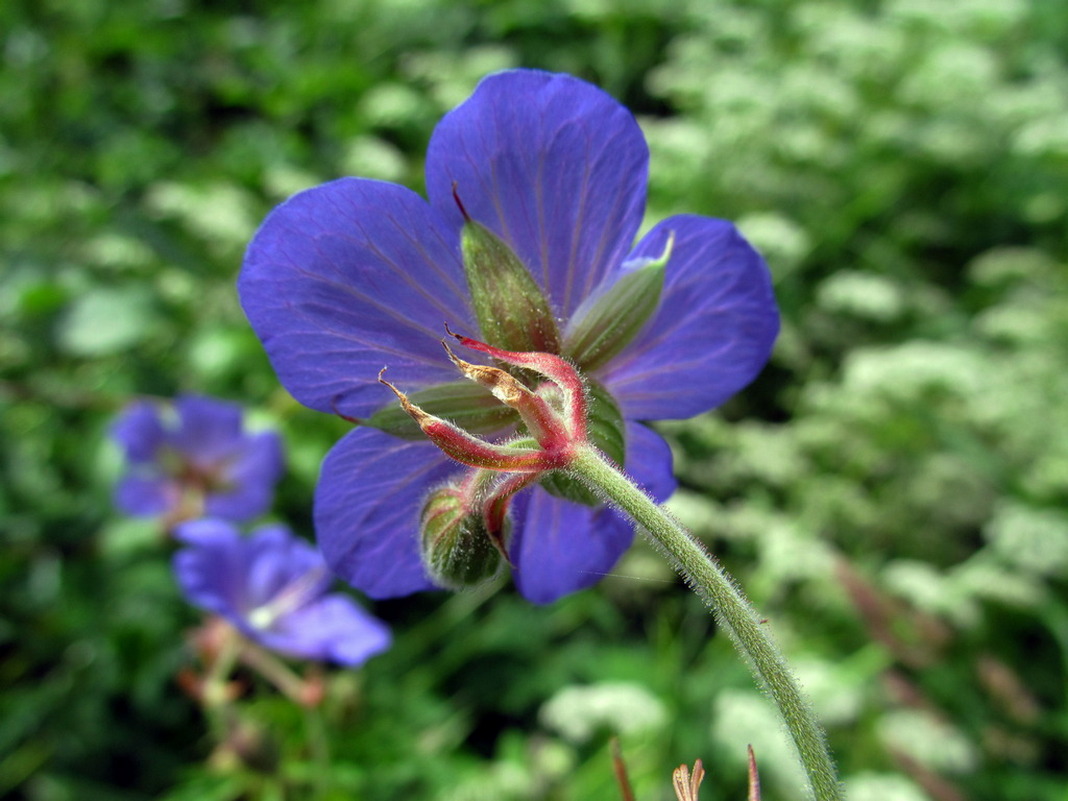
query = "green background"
x=892 y=492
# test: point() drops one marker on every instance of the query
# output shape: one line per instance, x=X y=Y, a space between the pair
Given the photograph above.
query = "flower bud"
x=457 y=548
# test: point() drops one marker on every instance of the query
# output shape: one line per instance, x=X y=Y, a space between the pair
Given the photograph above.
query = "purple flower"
x=274 y=588
x=194 y=459
x=356 y=274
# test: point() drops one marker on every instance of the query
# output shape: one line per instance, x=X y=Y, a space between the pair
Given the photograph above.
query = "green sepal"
x=617 y=316
x=468 y=405
x=607 y=432
x=512 y=311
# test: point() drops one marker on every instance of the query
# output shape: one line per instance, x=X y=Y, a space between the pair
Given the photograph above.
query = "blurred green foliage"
x=893 y=491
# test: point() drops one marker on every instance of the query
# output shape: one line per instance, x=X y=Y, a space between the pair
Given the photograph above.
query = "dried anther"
x=687 y=784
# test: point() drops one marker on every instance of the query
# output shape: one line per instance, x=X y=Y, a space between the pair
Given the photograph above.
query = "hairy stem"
x=732 y=611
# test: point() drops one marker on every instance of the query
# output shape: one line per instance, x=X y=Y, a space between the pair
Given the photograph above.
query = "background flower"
x=354 y=274
x=274 y=588
x=195 y=459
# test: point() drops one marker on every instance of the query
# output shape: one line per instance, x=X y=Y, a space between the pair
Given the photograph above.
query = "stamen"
x=687 y=785
x=460 y=203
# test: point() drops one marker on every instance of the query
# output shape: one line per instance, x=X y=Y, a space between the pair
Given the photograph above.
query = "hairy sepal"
x=512 y=311
x=614 y=319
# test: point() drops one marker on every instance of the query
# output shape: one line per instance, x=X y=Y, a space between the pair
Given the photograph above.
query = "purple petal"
x=211 y=568
x=276 y=561
x=146 y=495
x=208 y=429
x=371 y=490
x=252 y=477
x=560 y=547
x=713 y=332
x=333 y=628
x=239 y=505
x=139 y=431
x=350 y=276
x=649 y=461
x=262 y=459
x=554 y=166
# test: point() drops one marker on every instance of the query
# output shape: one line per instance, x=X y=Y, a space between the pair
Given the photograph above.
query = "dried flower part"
x=468 y=405
x=564 y=384
x=535 y=411
x=754 y=777
x=687 y=784
x=619 y=767
x=549 y=366
x=467 y=448
x=554 y=414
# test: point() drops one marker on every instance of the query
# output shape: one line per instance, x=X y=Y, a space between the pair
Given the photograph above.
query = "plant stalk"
x=732 y=611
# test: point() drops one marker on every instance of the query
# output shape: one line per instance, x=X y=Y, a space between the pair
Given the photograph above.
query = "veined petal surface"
x=649 y=461
x=554 y=166
x=560 y=547
x=713 y=332
x=348 y=277
x=367 y=504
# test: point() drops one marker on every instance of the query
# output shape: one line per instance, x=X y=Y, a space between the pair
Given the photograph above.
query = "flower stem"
x=732 y=611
